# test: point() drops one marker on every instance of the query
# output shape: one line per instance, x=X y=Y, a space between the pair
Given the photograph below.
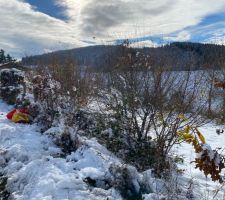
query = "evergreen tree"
x=9 y=58
x=2 y=56
x=5 y=58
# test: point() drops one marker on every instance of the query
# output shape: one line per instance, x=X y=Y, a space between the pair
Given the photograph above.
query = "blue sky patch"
x=48 y=7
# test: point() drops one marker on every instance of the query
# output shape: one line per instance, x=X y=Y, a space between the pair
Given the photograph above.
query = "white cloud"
x=181 y=36
x=23 y=30
x=26 y=31
x=148 y=17
x=216 y=38
x=141 y=44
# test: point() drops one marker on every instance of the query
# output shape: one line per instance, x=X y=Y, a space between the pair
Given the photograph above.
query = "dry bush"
x=144 y=108
x=61 y=92
x=11 y=84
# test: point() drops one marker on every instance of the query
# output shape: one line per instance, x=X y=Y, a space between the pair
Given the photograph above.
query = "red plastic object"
x=10 y=114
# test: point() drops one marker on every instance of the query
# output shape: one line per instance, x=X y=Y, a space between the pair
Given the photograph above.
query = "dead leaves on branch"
x=209 y=161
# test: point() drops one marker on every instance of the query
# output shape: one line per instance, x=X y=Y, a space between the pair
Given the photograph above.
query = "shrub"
x=144 y=110
x=12 y=84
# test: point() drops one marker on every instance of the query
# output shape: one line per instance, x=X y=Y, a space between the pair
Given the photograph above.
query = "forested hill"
x=178 y=55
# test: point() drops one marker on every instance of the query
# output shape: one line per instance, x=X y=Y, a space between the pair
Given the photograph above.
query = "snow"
x=154 y=197
x=14 y=70
x=36 y=171
x=204 y=187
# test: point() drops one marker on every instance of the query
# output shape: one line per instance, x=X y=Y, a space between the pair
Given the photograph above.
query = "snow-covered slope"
x=35 y=170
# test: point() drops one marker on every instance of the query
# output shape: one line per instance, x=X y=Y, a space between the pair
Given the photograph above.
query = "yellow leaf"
x=180 y=134
x=188 y=136
x=187 y=129
x=181 y=116
x=201 y=137
x=185 y=135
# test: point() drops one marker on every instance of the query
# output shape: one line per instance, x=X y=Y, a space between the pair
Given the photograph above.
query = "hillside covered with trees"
x=177 y=55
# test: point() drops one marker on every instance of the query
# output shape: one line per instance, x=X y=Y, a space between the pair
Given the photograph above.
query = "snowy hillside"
x=35 y=169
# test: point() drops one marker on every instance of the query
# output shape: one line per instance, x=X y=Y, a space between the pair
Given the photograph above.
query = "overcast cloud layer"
x=26 y=31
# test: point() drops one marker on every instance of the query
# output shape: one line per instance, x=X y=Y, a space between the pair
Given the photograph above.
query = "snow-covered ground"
x=35 y=170
x=204 y=188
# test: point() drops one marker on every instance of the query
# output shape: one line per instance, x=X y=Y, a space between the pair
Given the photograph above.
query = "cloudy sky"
x=29 y=27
